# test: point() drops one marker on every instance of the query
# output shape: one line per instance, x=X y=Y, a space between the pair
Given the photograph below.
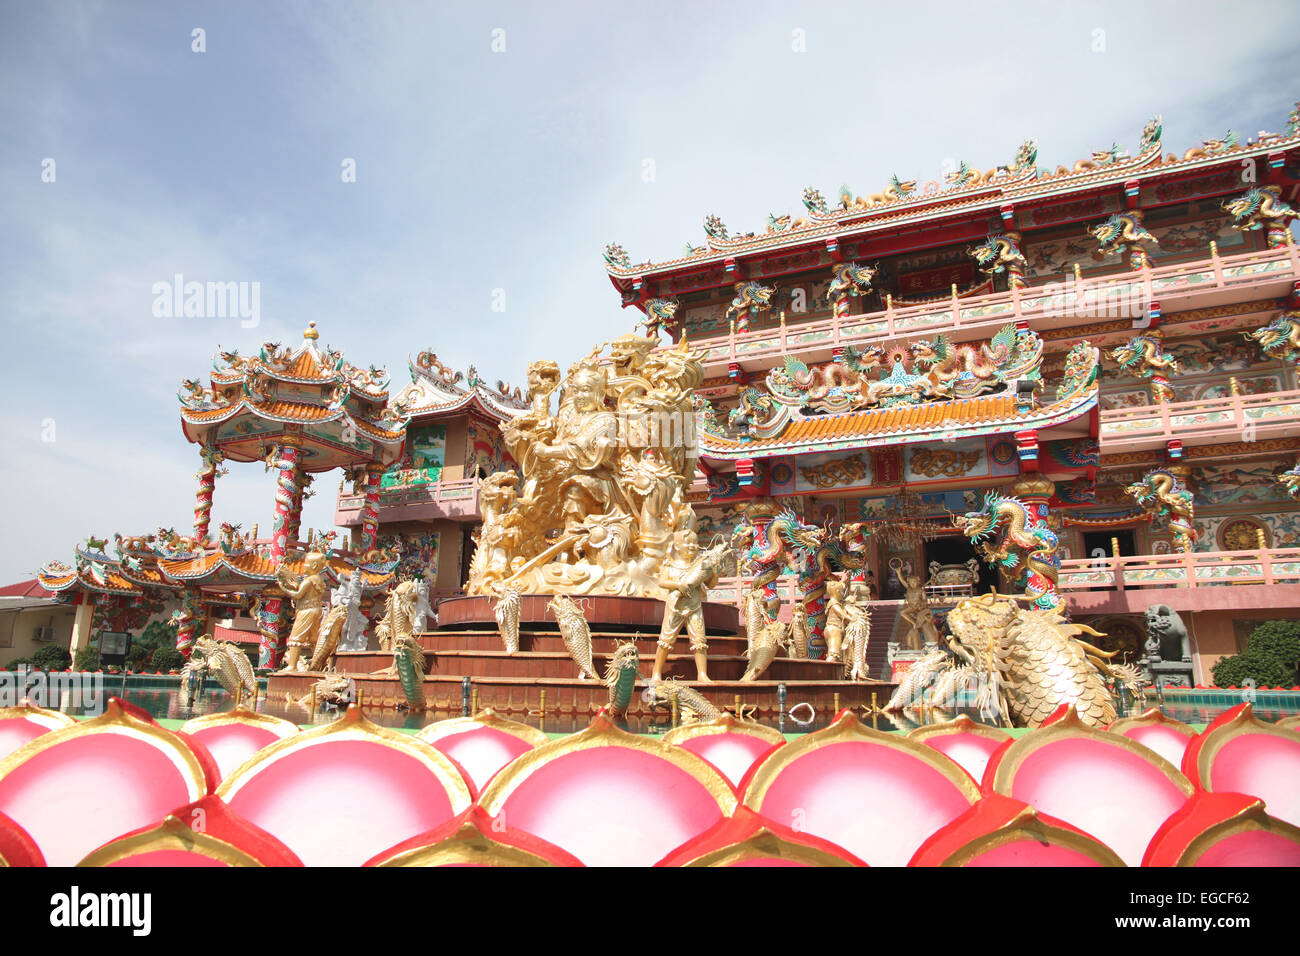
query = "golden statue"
x=308 y=594
x=687 y=578
x=833 y=628
x=600 y=507
x=916 y=608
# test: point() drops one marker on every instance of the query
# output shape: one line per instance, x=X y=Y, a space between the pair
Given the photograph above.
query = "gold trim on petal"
x=242 y=716
x=354 y=725
x=116 y=719
x=602 y=733
x=961 y=724
x=25 y=709
x=848 y=729
x=467 y=846
x=172 y=834
x=766 y=844
x=726 y=724
x=1071 y=726
x=487 y=717
x=1028 y=825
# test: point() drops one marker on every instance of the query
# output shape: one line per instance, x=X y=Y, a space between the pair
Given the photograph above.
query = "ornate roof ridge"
x=994 y=187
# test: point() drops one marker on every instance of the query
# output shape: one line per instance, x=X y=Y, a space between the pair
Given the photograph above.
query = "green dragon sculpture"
x=1163 y=495
x=1280 y=339
x=1123 y=233
x=850 y=279
x=1262 y=208
x=1144 y=356
x=1015 y=536
x=621 y=677
x=1000 y=254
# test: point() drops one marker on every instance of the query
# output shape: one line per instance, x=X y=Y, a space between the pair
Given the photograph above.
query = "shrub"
x=52 y=657
x=167 y=659
x=86 y=659
x=1271 y=658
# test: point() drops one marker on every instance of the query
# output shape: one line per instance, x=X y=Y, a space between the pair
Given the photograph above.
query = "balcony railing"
x=454 y=498
x=1202 y=421
x=1097 y=297
x=1196 y=569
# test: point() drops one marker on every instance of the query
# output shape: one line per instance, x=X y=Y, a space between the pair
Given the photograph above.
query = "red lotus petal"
x=877 y=795
x=481 y=745
x=26 y=722
x=966 y=743
x=1000 y=831
x=340 y=793
x=474 y=838
x=1224 y=829
x=1168 y=737
x=72 y=789
x=17 y=848
x=748 y=839
x=1105 y=784
x=1239 y=753
x=234 y=736
x=609 y=797
x=203 y=833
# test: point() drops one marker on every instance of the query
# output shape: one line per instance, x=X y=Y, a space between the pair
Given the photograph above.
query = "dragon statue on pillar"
x=1021 y=664
x=1144 y=356
x=1123 y=233
x=850 y=279
x=1262 y=208
x=1163 y=495
x=771 y=539
x=1014 y=537
x=750 y=297
x=1290 y=480
x=1280 y=339
x=1001 y=253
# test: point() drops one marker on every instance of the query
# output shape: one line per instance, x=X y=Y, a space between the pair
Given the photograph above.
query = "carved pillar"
x=187 y=625
x=269 y=614
x=210 y=459
x=1043 y=562
x=302 y=493
x=370 y=510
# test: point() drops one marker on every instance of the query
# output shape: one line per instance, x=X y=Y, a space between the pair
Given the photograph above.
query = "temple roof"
x=336 y=413
x=790 y=431
x=436 y=389
x=902 y=203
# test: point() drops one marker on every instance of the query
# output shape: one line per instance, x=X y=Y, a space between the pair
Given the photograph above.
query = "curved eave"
x=475 y=398
x=56 y=583
x=834 y=433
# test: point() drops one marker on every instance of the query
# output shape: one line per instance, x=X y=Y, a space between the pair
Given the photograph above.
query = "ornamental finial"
x=310 y=333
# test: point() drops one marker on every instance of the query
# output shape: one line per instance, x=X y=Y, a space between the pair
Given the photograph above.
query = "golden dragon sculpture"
x=1021 y=665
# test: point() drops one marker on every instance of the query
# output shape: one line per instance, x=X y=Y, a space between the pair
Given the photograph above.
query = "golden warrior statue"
x=308 y=595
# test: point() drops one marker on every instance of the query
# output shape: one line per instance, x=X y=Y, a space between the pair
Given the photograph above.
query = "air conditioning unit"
x=44 y=634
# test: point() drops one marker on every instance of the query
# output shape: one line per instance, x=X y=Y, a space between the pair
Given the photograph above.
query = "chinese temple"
x=428 y=499
x=301 y=411
x=1101 y=357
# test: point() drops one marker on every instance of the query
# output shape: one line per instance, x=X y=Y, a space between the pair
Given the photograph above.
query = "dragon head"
x=978 y=525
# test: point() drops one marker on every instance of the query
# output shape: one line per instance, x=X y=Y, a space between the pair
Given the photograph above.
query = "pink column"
x=370 y=511
x=269 y=613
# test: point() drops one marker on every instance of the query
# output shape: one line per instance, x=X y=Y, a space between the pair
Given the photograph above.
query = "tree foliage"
x=167 y=659
x=52 y=657
x=1271 y=658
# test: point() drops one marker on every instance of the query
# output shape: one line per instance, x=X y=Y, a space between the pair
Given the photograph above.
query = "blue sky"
x=479 y=171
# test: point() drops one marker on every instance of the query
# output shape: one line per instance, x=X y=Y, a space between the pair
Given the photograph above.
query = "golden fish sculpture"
x=575 y=633
x=506 y=611
x=765 y=651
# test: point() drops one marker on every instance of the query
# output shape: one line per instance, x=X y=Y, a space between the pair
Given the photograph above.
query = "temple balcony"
x=452 y=500
x=1203 y=421
x=1212 y=281
x=1197 y=581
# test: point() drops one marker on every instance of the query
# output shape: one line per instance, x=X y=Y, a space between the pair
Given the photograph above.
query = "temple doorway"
x=955 y=549
x=1096 y=544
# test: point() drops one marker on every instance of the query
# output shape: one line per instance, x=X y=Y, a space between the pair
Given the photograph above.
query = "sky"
x=497 y=147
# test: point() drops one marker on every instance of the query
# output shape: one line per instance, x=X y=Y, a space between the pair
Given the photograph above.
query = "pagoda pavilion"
x=1113 y=343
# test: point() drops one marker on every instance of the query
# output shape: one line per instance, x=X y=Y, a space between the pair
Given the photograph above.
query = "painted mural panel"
x=422 y=459
x=419 y=554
